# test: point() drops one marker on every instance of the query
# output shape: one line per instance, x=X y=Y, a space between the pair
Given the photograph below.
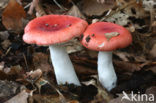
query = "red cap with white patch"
x=106 y=36
x=52 y=29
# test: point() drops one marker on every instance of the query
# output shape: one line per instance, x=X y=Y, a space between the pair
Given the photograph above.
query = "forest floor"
x=26 y=72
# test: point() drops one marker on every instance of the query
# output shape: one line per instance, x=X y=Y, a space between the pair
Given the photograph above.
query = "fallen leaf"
x=13 y=16
x=8 y=88
x=2 y=65
x=19 y=98
x=11 y=73
x=92 y=54
x=41 y=61
x=101 y=1
x=13 y=70
x=56 y=97
x=153 y=51
x=73 y=46
x=90 y=82
x=74 y=11
x=154 y=27
x=93 y=8
x=73 y=101
x=5 y=44
x=153 y=69
x=7 y=70
x=126 y=14
x=34 y=3
x=3 y=76
x=127 y=66
x=4 y=35
x=3 y=4
x=122 y=55
x=102 y=96
x=46 y=98
x=39 y=10
x=84 y=70
x=33 y=76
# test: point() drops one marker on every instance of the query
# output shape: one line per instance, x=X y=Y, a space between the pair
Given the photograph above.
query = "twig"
x=8 y=50
x=28 y=5
x=25 y=60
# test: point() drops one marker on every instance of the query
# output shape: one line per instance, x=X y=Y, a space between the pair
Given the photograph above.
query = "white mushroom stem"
x=63 y=68
x=106 y=73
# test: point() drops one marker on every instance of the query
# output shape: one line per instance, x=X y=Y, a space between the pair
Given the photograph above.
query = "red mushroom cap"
x=99 y=36
x=52 y=29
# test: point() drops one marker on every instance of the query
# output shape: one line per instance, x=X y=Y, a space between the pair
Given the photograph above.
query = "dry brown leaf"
x=19 y=98
x=154 y=27
x=92 y=7
x=33 y=76
x=13 y=70
x=125 y=10
x=54 y=98
x=153 y=69
x=11 y=73
x=46 y=99
x=13 y=16
x=8 y=88
x=5 y=44
x=35 y=4
x=73 y=46
x=39 y=10
x=124 y=56
x=83 y=70
x=149 y=5
x=3 y=75
x=92 y=54
x=4 y=35
x=90 y=82
x=127 y=66
x=153 y=51
x=73 y=101
x=3 y=4
x=2 y=65
x=101 y=1
x=74 y=11
x=40 y=61
x=102 y=96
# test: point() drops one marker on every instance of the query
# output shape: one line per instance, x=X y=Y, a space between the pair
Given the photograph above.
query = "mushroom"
x=53 y=31
x=106 y=37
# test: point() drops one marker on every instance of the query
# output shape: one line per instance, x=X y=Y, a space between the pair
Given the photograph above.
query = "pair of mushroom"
x=53 y=30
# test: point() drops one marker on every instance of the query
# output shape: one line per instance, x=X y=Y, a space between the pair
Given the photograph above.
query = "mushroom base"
x=63 y=68
x=106 y=73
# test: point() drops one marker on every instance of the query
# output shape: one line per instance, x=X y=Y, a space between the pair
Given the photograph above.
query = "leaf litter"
x=26 y=74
